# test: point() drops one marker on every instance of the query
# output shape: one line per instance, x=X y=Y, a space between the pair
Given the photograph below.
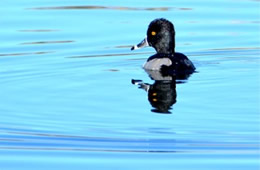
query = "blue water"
x=67 y=101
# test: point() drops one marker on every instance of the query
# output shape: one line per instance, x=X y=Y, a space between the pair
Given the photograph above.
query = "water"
x=67 y=101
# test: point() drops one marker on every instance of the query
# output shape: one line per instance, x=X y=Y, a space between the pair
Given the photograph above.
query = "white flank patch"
x=155 y=64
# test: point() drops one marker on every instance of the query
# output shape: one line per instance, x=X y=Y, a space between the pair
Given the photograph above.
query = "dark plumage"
x=161 y=36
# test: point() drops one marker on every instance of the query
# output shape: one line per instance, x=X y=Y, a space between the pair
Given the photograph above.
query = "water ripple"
x=42 y=141
x=21 y=54
x=121 y=8
x=38 y=30
x=108 y=55
x=48 y=42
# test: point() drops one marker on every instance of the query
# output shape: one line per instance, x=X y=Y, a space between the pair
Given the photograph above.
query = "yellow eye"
x=155 y=100
x=153 y=33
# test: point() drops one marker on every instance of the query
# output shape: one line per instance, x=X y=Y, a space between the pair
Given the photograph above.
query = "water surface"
x=67 y=100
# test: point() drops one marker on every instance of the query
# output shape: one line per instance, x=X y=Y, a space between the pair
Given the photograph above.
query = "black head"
x=161 y=36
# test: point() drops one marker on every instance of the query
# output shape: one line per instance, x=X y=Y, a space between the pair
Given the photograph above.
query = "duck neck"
x=166 y=46
x=168 y=51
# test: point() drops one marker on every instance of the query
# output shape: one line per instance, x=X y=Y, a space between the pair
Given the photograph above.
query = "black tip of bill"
x=133 y=48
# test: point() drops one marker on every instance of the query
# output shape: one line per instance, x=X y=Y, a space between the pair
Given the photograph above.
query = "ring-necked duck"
x=161 y=36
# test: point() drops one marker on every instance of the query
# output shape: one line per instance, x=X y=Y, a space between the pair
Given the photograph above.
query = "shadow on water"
x=162 y=93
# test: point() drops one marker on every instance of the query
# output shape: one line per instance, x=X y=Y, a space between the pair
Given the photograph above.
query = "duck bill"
x=142 y=44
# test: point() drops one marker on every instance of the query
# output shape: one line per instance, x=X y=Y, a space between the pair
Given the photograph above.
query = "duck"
x=161 y=36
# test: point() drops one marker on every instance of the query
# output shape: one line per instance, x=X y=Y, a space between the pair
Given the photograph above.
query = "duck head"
x=160 y=35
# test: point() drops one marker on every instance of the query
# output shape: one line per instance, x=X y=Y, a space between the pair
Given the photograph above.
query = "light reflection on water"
x=67 y=100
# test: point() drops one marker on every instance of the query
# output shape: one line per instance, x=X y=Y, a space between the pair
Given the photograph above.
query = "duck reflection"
x=162 y=93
